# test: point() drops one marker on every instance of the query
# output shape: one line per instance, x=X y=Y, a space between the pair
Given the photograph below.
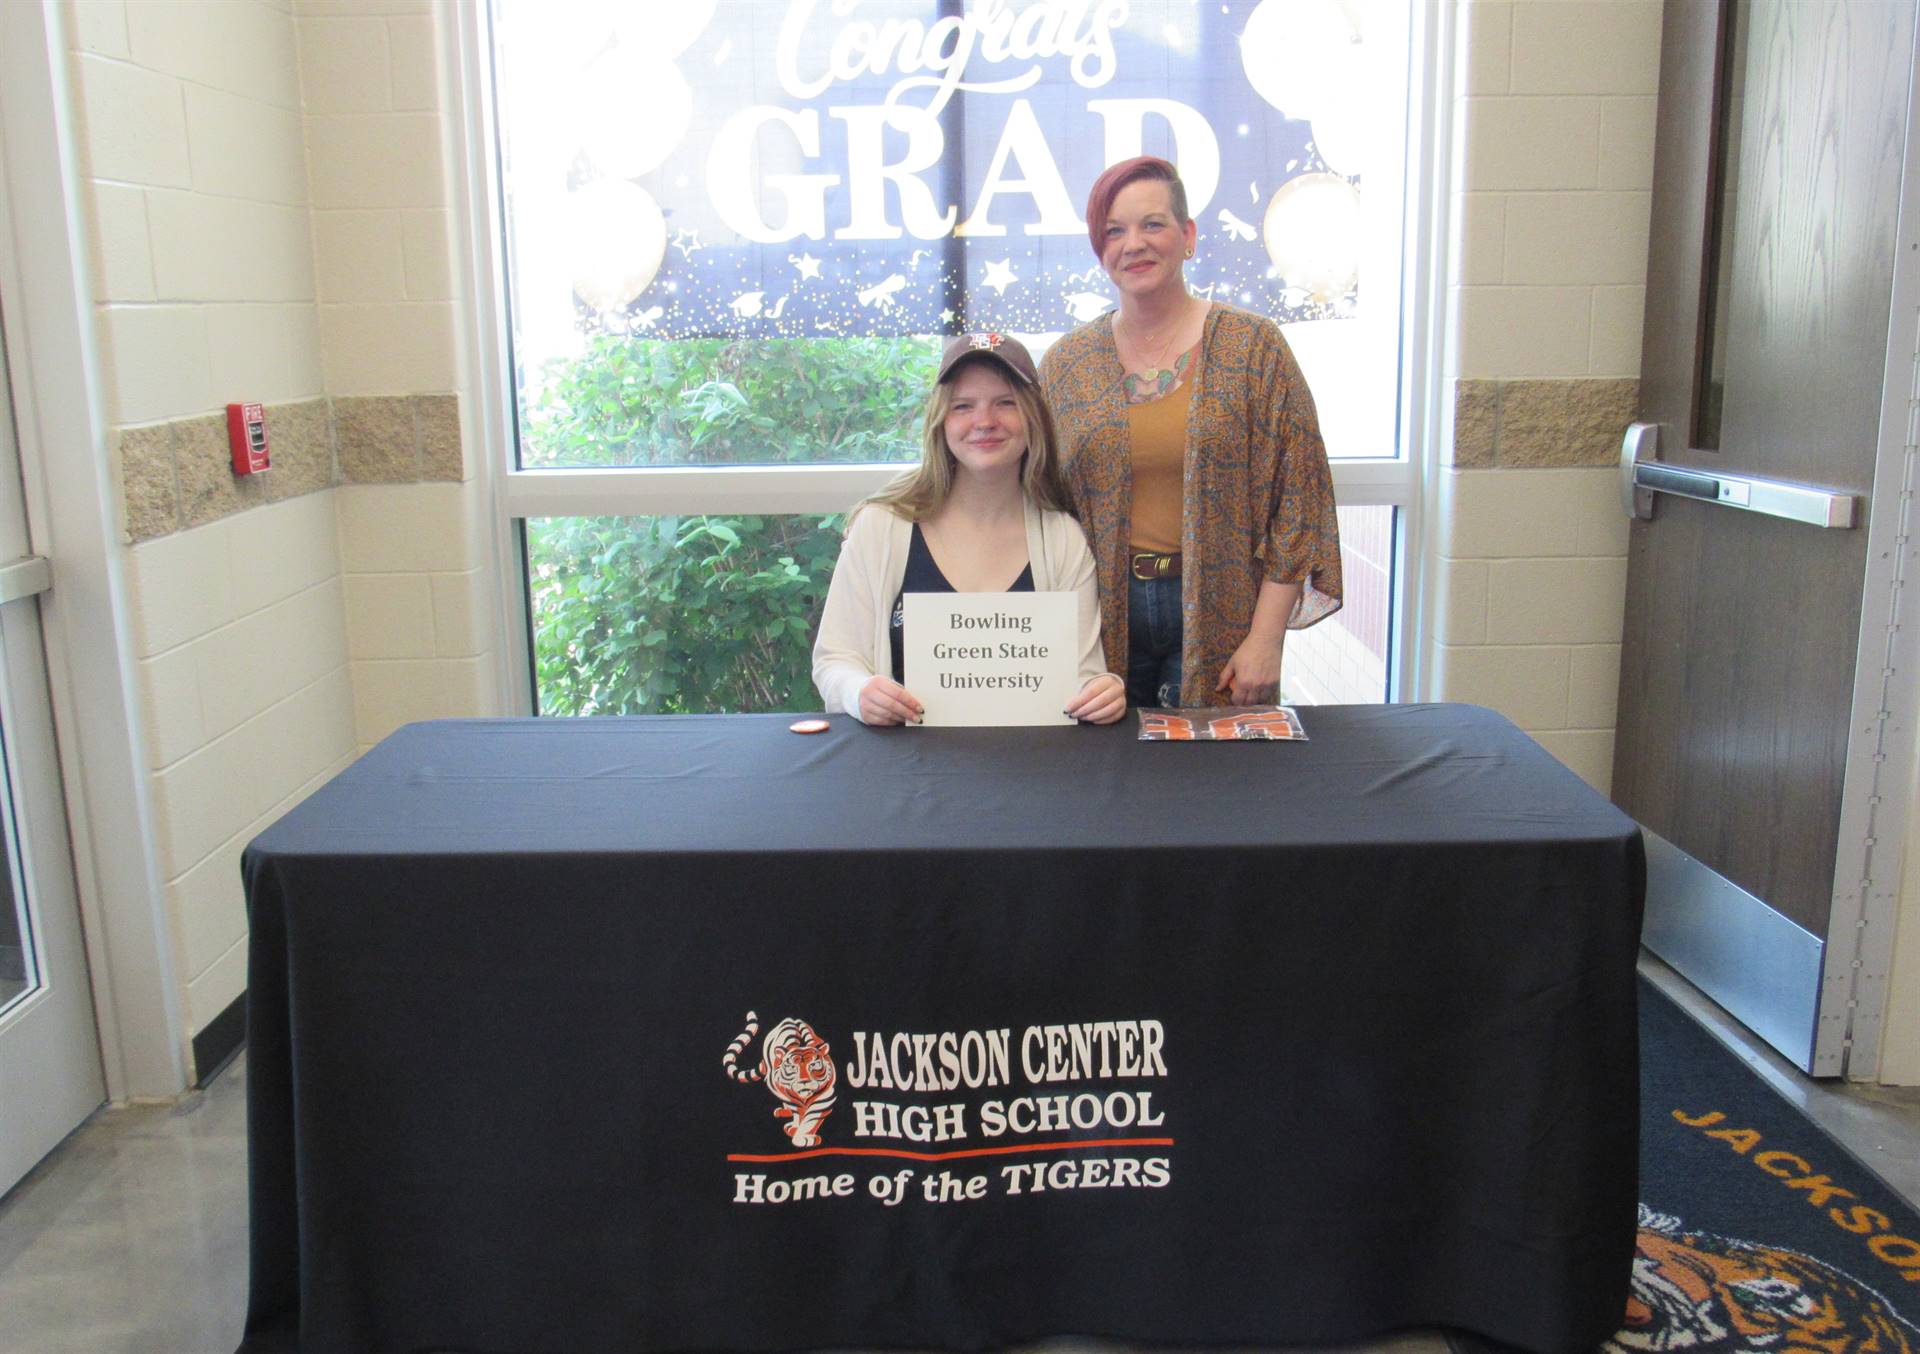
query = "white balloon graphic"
x=1340 y=136
x=616 y=238
x=668 y=29
x=634 y=110
x=1312 y=232
x=559 y=39
x=1301 y=56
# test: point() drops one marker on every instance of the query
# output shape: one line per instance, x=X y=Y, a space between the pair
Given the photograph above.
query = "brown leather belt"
x=1147 y=565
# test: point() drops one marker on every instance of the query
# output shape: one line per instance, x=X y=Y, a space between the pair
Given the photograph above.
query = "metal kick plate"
x=1759 y=964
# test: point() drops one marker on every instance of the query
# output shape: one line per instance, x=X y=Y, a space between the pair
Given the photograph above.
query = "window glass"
x=677 y=615
x=1347 y=658
x=627 y=401
x=1724 y=238
x=732 y=229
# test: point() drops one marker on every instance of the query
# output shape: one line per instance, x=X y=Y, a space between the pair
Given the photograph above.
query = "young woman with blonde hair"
x=985 y=511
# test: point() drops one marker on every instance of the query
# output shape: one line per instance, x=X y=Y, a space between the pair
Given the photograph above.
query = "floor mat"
x=1758 y=1232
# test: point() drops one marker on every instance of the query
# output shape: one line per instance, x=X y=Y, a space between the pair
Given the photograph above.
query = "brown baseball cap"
x=1008 y=351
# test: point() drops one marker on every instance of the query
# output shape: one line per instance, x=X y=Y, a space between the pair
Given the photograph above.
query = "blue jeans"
x=1153 y=641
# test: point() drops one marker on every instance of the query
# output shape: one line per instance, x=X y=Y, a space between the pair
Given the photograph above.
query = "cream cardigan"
x=853 y=644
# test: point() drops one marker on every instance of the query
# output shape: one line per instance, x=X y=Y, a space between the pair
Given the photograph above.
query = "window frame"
x=514 y=494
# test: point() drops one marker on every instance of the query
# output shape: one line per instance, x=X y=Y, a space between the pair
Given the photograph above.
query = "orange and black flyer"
x=1222 y=723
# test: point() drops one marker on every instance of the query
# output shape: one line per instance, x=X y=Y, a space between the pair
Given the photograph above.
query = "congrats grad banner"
x=823 y=168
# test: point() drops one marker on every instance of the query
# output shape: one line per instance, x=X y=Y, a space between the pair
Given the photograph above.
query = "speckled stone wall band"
x=179 y=474
x=1523 y=425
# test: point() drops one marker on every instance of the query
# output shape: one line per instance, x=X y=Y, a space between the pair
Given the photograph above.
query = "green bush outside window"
x=673 y=615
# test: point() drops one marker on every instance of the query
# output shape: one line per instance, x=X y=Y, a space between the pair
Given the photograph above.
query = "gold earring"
x=1189 y=253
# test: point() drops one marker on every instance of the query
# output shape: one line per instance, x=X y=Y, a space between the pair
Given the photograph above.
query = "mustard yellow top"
x=1261 y=505
x=1157 y=438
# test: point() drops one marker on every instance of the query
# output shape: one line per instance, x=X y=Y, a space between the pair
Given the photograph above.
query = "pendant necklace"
x=1157 y=379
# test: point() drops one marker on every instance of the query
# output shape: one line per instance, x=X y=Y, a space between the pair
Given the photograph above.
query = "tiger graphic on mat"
x=796 y=1068
x=1708 y=1294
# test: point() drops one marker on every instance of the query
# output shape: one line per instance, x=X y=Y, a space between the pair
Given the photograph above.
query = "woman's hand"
x=1252 y=675
x=1101 y=701
x=885 y=701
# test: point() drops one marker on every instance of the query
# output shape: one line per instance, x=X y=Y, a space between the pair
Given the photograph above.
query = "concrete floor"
x=132 y=1237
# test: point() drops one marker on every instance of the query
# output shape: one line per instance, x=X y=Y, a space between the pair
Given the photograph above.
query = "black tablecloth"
x=1349 y=1022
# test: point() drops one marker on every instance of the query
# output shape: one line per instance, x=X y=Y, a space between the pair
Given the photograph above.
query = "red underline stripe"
x=949 y=1156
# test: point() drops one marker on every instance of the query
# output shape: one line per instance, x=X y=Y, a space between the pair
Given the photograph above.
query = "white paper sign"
x=975 y=658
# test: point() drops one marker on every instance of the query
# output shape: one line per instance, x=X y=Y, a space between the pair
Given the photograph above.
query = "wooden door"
x=1780 y=146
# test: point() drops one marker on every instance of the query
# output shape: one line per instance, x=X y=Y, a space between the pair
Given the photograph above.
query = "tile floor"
x=132 y=1237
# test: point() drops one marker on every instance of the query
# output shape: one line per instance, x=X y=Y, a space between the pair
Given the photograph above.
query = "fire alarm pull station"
x=247 y=434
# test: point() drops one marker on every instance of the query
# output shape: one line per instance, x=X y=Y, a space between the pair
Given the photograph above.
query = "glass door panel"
x=19 y=974
x=50 y=1074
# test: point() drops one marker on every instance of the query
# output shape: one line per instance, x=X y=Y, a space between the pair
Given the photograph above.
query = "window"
x=734 y=234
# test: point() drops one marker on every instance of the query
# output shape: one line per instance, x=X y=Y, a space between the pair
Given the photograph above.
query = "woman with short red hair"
x=1194 y=461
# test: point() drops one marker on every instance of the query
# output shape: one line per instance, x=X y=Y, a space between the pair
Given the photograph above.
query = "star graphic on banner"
x=946 y=315
x=808 y=265
x=1000 y=275
x=687 y=242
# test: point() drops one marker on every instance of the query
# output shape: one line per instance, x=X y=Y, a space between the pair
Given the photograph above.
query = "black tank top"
x=923 y=575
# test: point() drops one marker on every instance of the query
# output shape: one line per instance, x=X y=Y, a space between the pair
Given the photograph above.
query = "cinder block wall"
x=193 y=145
x=1553 y=171
x=268 y=220
x=1900 y=1031
x=410 y=510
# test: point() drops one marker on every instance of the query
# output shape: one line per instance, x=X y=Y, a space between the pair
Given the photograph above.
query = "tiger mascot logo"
x=1695 y=1291
x=796 y=1068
